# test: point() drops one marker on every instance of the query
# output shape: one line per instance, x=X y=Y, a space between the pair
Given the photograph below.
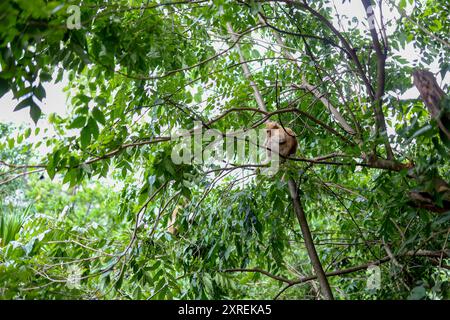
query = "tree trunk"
x=300 y=213
x=433 y=97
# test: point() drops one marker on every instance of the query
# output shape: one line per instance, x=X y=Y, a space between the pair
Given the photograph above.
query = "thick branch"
x=20 y=175
x=433 y=97
x=344 y=41
x=318 y=269
x=20 y=166
x=266 y=273
x=337 y=115
x=128 y=145
x=248 y=75
x=381 y=79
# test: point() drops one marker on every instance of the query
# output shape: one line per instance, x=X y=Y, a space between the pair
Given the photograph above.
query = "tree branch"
x=256 y=270
x=247 y=73
x=381 y=79
x=311 y=249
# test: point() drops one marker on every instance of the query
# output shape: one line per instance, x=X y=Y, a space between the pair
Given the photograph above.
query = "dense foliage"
x=85 y=208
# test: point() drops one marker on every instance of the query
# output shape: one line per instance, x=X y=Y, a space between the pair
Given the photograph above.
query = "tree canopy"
x=363 y=207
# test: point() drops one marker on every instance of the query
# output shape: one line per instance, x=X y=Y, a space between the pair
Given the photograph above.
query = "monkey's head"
x=273 y=130
x=279 y=139
x=272 y=125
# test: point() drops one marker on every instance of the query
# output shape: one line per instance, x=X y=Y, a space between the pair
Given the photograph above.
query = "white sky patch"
x=55 y=102
x=348 y=10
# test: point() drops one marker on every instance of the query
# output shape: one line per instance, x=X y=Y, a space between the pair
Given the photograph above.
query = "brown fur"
x=287 y=139
x=171 y=227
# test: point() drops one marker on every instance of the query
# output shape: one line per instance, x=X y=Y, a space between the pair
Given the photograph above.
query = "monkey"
x=171 y=225
x=280 y=140
x=180 y=207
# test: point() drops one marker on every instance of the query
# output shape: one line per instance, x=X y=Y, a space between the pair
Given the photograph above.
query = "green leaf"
x=85 y=137
x=45 y=76
x=39 y=92
x=77 y=123
x=11 y=143
x=82 y=110
x=23 y=104
x=119 y=282
x=421 y=131
x=27 y=133
x=51 y=170
x=402 y=4
x=24 y=91
x=93 y=127
x=417 y=293
x=83 y=98
x=35 y=112
x=98 y=115
x=168 y=165
x=441 y=219
x=4 y=87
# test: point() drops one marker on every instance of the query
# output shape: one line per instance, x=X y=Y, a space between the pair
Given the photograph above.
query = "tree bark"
x=381 y=80
x=247 y=73
x=433 y=97
x=300 y=213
